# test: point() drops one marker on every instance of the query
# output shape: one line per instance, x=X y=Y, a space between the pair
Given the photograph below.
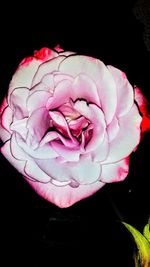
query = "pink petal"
x=17 y=101
x=61 y=124
x=61 y=95
x=38 y=123
x=37 y=100
x=52 y=136
x=4 y=134
x=19 y=126
x=68 y=153
x=65 y=196
x=127 y=138
x=3 y=105
x=16 y=150
x=125 y=96
x=101 y=152
x=24 y=75
x=96 y=117
x=113 y=128
x=44 y=152
x=98 y=72
x=143 y=106
x=59 y=77
x=32 y=170
x=85 y=171
x=54 y=169
x=115 y=172
x=45 y=54
x=45 y=68
x=83 y=87
x=7 y=118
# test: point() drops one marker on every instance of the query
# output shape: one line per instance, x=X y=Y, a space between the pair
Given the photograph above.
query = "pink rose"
x=69 y=124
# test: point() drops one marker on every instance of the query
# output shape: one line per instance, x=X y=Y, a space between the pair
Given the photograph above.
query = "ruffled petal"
x=38 y=123
x=83 y=87
x=96 y=117
x=125 y=97
x=45 y=68
x=61 y=95
x=19 y=126
x=98 y=72
x=115 y=172
x=17 y=102
x=37 y=100
x=127 y=138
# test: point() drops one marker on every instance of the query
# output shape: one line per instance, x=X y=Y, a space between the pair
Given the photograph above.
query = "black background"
x=35 y=232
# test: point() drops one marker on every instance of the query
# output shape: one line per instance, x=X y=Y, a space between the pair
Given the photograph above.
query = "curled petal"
x=17 y=102
x=96 y=117
x=101 y=152
x=38 y=123
x=115 y=172
x=113 y=128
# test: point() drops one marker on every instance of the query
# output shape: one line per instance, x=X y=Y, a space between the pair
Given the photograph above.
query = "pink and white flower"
x=69 y=124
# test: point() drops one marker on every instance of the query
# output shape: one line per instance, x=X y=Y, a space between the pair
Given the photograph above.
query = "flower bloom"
x=69 y=124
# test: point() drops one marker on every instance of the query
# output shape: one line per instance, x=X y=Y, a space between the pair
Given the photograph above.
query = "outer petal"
x=37 y=100
x=47 y=67
x=125 y=97
x=65 y=196
x=32 y=170
x=96 y=70
x=143 y=106
x=85 y=171
x=127 y=138
x=7 y=118
x=115 y=172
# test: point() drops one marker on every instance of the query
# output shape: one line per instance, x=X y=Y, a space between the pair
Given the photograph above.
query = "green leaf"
x=142 y=244
x=146 y=231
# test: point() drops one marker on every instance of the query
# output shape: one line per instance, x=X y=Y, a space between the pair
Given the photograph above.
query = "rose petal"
x=24 y=75
x=61 y=95
x=7 y=118
x=127 y=138
x=45 y=68
x=96 y=70
x=37 y=100
x=101 y=152
x=17 y=102
x=44 y=152
x=83 y=87
x=38 y=123
x=68 y=153
x=115 y=172
x=59 y=77
x=65 y=196
x=4 y=134
x=125 y=97
x=16 y=150
x=96 y=117
x=86 y=171
x=143 y=106
x=32 y=170
x=113 y=128
x=19 y=126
